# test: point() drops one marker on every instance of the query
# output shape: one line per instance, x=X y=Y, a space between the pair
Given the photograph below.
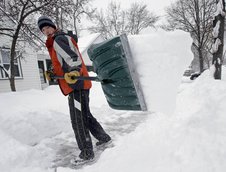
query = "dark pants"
x=83 y=121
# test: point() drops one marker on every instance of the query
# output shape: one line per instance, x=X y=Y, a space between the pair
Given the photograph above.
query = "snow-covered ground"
x=36 y=134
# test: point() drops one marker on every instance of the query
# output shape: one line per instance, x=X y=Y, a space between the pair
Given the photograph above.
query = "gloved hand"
x=48 y=75
x=70 y=77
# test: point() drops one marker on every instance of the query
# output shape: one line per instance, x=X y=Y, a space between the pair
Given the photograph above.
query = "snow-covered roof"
x=85 y=41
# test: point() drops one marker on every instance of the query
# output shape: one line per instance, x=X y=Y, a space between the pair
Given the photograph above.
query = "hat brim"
x=41 y=26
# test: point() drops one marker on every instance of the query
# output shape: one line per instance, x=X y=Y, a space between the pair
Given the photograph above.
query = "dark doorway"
x=41 y=71
x=49 y=67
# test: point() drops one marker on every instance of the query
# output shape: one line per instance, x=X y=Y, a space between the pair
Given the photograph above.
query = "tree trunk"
x=61 y=19
x=12 y=59
x=12 y=66
x=75 y=26
x=57 y=18
x=218 y=55
x=201 y=66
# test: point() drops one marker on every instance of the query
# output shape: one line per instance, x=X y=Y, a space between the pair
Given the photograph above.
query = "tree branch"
x=38 y=8
x=6 y=29
x=2 y=33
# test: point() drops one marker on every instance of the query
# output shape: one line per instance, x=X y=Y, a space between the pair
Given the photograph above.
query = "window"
x=5 y=63
x=41 y=71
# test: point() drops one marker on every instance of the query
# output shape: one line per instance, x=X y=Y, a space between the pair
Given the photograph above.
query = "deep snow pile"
x=161 y=58
x=191 y=140
x=35 y=125
x=26 y=119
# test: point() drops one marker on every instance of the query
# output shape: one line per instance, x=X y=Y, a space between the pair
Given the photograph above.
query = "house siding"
x=30 y=72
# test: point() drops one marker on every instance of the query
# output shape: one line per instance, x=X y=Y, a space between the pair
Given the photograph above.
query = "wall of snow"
x=161 y=59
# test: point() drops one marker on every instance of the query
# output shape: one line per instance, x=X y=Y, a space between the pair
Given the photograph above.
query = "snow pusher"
x=113 y=62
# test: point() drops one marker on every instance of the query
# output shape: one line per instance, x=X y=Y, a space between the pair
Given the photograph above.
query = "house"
x=30 y=66
x=26 y=65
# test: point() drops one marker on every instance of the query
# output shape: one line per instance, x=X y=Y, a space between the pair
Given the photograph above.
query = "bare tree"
x=140 y=18
x=194 y=17
x=81 y=8
x=218 y=34
x=67 y=13
x=14 y=23
x=111 y=23
x=61 y=11
x=117 y=21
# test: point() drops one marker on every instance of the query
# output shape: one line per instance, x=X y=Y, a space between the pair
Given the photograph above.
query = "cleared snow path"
x=64 y=144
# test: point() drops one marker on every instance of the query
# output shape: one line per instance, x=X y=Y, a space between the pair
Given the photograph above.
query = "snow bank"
x=26 y=119
x=161 y=59
x=26 y=115
x=193 y=139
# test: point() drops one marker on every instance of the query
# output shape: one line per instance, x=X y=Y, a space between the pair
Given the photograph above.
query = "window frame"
x=17 y=63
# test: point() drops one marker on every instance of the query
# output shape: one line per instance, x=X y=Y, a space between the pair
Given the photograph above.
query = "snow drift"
x=35 y=125
x=161 y=59
x=191 y=140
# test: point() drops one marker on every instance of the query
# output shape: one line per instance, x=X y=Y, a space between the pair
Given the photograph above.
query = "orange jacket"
x=66 y=57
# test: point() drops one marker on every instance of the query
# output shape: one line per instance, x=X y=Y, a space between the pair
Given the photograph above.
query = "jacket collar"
x=50 y=40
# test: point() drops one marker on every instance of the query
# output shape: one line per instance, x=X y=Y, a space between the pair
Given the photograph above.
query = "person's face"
x=48 y=31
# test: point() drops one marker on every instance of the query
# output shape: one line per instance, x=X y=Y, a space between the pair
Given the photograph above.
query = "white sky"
x=157 y=6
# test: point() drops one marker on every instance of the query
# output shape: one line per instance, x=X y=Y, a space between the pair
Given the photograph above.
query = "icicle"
x=216 y=29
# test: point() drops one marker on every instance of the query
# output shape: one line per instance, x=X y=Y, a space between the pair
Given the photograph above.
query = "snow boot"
x=101 y=142
x=86 y=154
